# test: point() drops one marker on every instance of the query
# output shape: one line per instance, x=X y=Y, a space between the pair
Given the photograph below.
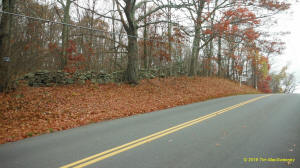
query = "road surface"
x=247 y=131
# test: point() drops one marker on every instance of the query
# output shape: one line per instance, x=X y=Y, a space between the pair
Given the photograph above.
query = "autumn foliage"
x=34 y=111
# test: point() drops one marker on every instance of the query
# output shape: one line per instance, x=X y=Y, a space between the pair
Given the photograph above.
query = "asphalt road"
x=258 y=133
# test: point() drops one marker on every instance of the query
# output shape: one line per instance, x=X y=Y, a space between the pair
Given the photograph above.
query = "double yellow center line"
x=114 y=151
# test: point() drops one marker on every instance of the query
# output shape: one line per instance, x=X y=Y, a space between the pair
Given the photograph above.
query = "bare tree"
x=289 y=83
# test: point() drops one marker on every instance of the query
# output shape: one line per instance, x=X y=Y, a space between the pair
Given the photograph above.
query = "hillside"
x=33 y=111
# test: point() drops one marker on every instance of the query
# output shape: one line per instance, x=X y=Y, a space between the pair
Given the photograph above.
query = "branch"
x=138 y=5
x=61 y=2
x=58 y=14
x=209 y=40
x=102 y=15
x=159 y=8
x=120 y=13
x=160 y=21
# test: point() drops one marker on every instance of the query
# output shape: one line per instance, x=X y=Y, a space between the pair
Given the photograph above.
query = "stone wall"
x=50 y=78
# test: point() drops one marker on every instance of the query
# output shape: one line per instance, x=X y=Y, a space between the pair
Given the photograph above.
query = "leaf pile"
x=32 y=111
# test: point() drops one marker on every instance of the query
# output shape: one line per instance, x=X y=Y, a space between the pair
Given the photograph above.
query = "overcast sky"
x=289 y=22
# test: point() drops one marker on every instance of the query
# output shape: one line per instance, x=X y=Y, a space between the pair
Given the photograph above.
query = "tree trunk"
x=132 y=69
x=196 y=41
x=65 y=34
x=219 y=56
x=131 y=75
x=169 y=17
x=195 y=52
x=145 y=39
x=254 y=75
x=228 y=68
x=233 y=74
x=210 y=53
x=5 y=30
x=114 y=37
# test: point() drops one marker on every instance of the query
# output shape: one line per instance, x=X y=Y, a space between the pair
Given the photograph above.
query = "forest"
x=129 y=40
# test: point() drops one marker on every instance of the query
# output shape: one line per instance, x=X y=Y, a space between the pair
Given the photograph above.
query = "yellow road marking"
x=114 y=151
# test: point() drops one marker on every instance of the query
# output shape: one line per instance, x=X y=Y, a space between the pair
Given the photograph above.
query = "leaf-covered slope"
x=33 y=111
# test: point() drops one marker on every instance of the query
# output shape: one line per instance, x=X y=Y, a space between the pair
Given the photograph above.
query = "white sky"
x=291 y=56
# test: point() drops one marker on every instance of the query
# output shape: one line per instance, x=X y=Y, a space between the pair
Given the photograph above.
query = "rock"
x=94 y=81
x=29 y=76
x=49 y=78
x=42 y=72
x=82 y=77
x=100 y=81
x=70 y=81
x=81 y=82
x=37 y=84
x=49 y=84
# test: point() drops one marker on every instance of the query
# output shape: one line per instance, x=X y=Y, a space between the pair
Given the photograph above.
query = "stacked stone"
x=39 y=78
x=62 y=78
x=148 y=74
x=48 y=78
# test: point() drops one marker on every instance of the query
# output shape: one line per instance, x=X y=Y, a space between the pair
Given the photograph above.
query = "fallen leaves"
x=33 y=111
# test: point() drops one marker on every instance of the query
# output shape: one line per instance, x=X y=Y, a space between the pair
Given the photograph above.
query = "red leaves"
x=219 y=27
x=208 y=31
x=251 y=34
x=241 y=10
x=75 y=59
x=72 y=47
x=33 y=111
x=274 y=5
x=231 y=22
x=264 y=85
x=229 y=13
x=52 y=46
x=241 y=15
x=235 y=28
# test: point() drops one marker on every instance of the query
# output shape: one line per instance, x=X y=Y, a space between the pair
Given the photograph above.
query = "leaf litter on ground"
x=32 y=111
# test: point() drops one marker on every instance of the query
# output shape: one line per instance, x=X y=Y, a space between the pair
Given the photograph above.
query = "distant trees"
x=183 y=37
x=283 y=82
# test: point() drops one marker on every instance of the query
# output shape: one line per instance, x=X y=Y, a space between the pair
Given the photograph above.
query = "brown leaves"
x=33 y=111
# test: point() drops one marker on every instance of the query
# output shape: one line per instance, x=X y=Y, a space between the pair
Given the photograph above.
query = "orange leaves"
x=52 y=46
x=235 y=28
x=229 y=13
x=33 y=111
x=274 y=5
x=208 y=31
x=241 y=15
x=242 y=10
x=27 y=46
x=233 y=18
x=72 y=47
x=219 y=27
x=251 y=34
x=178 y=36
x=75 y=59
